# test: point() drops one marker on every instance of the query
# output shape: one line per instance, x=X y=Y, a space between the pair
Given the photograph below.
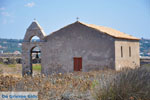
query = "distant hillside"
x=12 y=45
x=145 y=47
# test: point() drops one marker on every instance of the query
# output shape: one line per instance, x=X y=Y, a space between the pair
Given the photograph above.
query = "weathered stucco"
x=127 y=60
x=97 y=49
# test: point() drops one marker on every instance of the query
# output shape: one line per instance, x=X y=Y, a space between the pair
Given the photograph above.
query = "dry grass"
x=127 y=85
x=10 y=69
x=16 y=69
x=76 y=86
x=94 y=85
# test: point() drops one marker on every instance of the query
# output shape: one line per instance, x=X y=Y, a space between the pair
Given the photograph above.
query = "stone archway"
x=28 y=53
x=27 y=46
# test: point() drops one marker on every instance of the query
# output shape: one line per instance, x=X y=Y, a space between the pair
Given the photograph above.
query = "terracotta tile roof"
x=111 y=32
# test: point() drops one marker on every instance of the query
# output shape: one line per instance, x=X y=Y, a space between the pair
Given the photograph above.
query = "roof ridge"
x=110 y=31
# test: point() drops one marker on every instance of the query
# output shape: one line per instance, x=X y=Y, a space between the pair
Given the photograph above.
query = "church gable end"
x=76 y=30
x=34 y=30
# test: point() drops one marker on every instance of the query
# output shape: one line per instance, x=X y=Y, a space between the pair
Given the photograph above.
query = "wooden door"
x=77 y=64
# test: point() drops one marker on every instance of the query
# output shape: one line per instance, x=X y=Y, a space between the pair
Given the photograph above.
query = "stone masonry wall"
x=95 y=48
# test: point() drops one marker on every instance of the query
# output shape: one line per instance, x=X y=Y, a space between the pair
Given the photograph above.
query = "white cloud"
x=2 y=8
x=5 y=14
x=30 y=4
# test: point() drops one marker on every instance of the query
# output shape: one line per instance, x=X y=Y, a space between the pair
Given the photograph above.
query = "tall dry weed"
x=129 y=84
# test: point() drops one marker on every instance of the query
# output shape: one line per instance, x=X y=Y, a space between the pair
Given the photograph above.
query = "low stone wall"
x=144 y=60
x=16 y=60
x=10 y=55
x=10 y=58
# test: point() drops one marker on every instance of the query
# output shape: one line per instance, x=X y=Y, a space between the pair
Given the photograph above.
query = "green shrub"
x=130 y=84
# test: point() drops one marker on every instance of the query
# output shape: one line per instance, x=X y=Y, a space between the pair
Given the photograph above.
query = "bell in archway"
x=37 y=56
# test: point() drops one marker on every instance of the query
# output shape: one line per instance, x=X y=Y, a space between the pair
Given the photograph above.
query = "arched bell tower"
x=27 y=46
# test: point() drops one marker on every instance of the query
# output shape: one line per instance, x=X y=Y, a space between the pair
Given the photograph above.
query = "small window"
x=129 y=51
x=121 y=51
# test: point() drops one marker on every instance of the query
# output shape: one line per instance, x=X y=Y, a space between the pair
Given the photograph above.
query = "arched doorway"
x=35 y=60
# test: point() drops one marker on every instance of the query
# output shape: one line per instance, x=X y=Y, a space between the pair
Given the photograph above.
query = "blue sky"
x=129 y=16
